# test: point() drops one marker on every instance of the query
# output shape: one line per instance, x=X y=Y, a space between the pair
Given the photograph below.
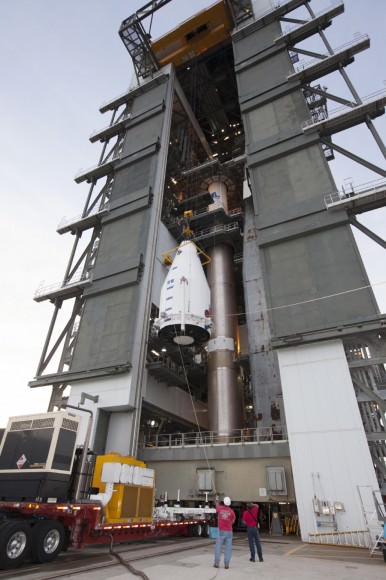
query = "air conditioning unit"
x=36 y=457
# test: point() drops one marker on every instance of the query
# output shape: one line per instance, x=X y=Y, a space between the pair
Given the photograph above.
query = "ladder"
x=374 y=513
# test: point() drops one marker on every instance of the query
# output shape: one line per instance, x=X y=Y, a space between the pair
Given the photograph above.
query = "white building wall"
x=114 y=393
x=329 y=452
x=120 y=427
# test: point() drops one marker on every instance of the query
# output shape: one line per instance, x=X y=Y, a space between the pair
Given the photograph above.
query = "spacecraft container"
x=185 y=300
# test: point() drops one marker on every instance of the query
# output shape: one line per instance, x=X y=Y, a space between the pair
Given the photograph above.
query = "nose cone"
x=185 y=300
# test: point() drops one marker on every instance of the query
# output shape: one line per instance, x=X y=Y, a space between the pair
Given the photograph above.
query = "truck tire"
x=47 y=541
x=15 y=543
x=195 y=531
x=384 y=554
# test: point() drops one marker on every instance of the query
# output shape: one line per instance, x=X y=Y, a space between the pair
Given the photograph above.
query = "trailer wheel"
x=384 y=554
x=205 y=530
x=197 y=530
x=15 y=542
x=47 y=540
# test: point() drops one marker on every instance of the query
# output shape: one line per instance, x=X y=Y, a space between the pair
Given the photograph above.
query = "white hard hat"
x=227 y=500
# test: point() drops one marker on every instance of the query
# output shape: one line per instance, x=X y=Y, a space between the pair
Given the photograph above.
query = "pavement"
x=274 y=567
x=283 y=560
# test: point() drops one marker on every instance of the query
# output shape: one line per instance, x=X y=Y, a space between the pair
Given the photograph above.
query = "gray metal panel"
x=149 y=99
x=253 y=40
x=306 y=257
x=316 y=281
x=262 y=359
x=139 y=175
x=291 y=186
x=142 y=134
x=271 y=72
x=280 y=117
x=105 y=329
x=122 y=242
x=115 y=302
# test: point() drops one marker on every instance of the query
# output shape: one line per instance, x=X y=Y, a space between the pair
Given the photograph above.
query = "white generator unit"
x=36 y=456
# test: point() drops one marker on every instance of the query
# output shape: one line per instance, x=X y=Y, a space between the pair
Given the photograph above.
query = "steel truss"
x=137 y=40
x=60 y=340
x=328 y=124
x=366 y=358
x=366 y=355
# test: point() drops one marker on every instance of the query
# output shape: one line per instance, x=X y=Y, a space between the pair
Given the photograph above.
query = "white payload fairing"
x=184 y=313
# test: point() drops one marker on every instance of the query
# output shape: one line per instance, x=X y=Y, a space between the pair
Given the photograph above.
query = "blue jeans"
x=254 y=539
x=223 y=537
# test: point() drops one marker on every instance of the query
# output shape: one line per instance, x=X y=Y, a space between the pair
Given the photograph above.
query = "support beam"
x=307 y=52
x=380 y=465
x=331 y=97
x=354 y=222
x=354 y=157
x=370 y=393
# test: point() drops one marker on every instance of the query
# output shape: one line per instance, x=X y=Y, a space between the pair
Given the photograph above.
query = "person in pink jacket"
x=226 y=517
x=251 y=520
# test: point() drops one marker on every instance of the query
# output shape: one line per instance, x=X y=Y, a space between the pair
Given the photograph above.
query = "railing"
x=206 y=210
x=304 y=64
x=216 y=230
x=112 y=156
x=75 y=280
x=259 y=435
x=289 y=29
x=373 y=97
x=65 y=221
x=370 y=188
x=121 y=119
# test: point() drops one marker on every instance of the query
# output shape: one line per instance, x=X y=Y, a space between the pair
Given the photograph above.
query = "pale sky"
x=59 y=62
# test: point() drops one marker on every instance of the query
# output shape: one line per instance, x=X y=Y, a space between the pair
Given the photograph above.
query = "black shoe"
x=252 y=560
x=215 y=565
x=226 y=566
x=261 y=560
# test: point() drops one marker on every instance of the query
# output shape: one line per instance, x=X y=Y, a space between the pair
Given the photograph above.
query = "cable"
x=327 y=296
x=124 y=563
x=194 y=410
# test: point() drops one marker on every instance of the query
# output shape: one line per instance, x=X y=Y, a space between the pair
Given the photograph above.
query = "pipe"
x=224 y=394
x=80 y=474
x=104 y=497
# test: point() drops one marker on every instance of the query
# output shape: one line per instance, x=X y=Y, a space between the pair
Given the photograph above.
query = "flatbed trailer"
x=54 y=495
x=40 y=531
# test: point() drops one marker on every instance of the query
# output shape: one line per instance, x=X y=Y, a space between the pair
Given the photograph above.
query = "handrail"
x=65 y=221
x=373 y=97
x=304 y=64
x=259 y=435
x=219 y=228
x=289 y=29
x=369 y=188
x=44 y=290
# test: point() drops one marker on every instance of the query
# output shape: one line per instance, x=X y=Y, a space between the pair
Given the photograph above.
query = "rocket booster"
x=185 y=300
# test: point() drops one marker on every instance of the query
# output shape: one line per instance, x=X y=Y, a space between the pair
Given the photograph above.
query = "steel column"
x=224 y=392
